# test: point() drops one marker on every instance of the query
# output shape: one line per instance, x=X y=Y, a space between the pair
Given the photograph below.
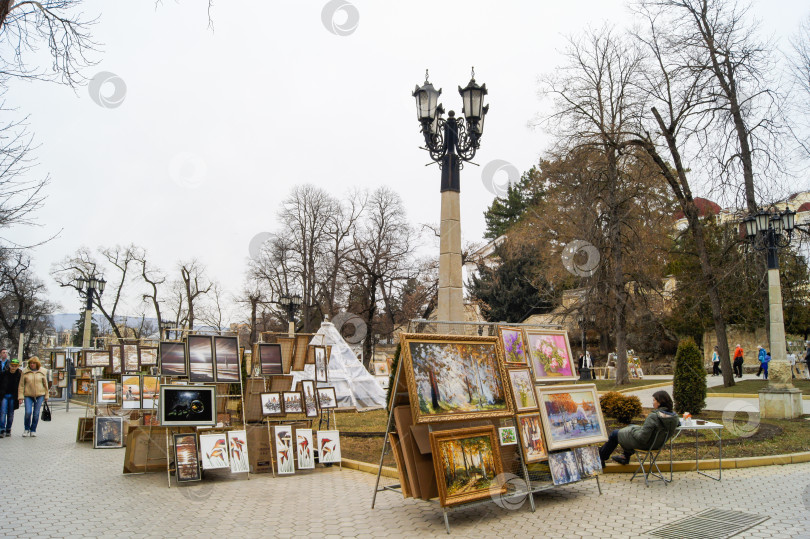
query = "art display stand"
x=520 y=481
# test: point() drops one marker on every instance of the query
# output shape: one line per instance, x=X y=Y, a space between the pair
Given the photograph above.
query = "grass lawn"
x=753 y=386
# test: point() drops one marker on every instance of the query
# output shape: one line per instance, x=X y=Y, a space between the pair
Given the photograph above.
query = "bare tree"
x=799 y=63
x=339 y=231
x=214 y=310
x=195 y=284
x=21 y=292
x=154 y=279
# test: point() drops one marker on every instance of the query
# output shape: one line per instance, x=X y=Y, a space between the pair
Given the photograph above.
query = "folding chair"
x=650 y=458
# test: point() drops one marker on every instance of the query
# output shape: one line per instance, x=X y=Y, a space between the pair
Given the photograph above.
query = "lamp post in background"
x=584 y=320
x=291 y=304
x=164 y=328
x=771 y=230
x=23 y=319
x=450 y=142
x=90 y=287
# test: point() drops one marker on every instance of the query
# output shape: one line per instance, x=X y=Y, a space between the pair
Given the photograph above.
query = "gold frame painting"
x=566 y=421
x=514 y=351
x=450 y=373
x=546 y=350
x=530 y=429
x=522 y=386
x=448 y=449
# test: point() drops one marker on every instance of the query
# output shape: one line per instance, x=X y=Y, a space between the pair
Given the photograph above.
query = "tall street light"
x=23 y=319
x=450 y=142
x=90 y=287
x=291 y=304
x=771 y=230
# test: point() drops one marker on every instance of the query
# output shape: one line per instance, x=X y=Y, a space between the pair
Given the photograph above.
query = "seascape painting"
x=200 y=359
x=173 y=358
x=226 y=354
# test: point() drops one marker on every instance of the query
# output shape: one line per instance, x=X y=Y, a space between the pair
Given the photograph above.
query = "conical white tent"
x=354 y=385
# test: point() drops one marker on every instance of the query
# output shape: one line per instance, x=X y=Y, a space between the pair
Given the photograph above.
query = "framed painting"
x=454 y=377
x=238 y=451
x=507 y=436
x=571 y=415
x=131 y=391
x=310 y=396
x=321 y=364
x=271 y=404
x=117 y=354
x=300 y=352
x=287 y=349
x=214 y=451
x=226 y=358
x=187 y=406
x=173 y=358
x=564 y=468
x=327 y=398
x=97 y=358
x=381 y=368
x=269 y=357
x=590 y=463
x=514 y=347
x=550 y=355
x=467 y=463
x=150 y=419
x=108 y=433
x=304 y=449
x=149 y=391
x=522 y=389
x=59 y=360
x=285 y=452
x=147 y=356
x=292 y=402
x=106 y=392
x=130 y=358
x=186 y=458
x=531 y=437
x=200 y=358
x=328 y=446
x=83 y=386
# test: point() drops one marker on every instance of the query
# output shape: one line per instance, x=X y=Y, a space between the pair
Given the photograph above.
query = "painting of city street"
x=200 y=359
x=454 y=377
x=226 y=355
x=467 y=463
x=571 y=416
x=550 y=355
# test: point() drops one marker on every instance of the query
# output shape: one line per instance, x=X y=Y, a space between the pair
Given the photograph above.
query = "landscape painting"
x=454 y=378
x=564 y=468
x=226 y=354
x=523 y=389
x=531 y=437
x=467 y=464
x=285 y=452
x=514 y=348
x=507 y=435
x=304 y=449
x=186 y=458
x=173 y=359
x=589 y=461
x=131 y=392
x=550 y=355
x=571 y=416
x=149 y=391
x=200 y=359
x=105 y=392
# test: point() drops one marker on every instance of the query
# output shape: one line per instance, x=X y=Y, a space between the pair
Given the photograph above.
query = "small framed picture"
x=292 y=402
x=106 y=392
x=131 y=392
x=310 y=396
x=108 y=433
x=327 y=399
x=59 y=360
x=589 y=461
x=186 y=457
x=271 y=404
x=564 y=467
x=507 y=435
x=147 y=356
x=328 y=446
x=321 y=364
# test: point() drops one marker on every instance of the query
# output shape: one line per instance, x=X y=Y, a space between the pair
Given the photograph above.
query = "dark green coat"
x=639 y=437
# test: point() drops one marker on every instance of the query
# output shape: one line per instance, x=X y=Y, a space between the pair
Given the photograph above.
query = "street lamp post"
x=164 y=326
x=770 y=231
x=450 y=142
x=23 y=320
x=90 y=287
x=584 y=320
x=291 y=304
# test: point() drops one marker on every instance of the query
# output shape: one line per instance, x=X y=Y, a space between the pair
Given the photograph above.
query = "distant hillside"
x=65 y=321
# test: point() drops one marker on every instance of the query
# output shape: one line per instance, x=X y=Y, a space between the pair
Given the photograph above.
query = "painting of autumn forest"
x=457 y=377
x=468 y=464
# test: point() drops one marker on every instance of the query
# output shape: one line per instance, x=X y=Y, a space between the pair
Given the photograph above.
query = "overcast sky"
x=215 y=128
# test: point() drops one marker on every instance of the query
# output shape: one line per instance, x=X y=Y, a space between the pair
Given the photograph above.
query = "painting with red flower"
x=550 y=355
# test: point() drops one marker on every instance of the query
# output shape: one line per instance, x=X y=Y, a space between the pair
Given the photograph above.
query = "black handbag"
x=46 y=411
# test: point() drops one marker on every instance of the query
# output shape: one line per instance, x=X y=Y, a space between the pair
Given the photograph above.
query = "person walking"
x=4 y=358
x=9 y=401
x=738 y=361
x=792 y=360
x=761 y=357
x=764 y=362
x=716 y=362
x=807 y=360
x=33 y=390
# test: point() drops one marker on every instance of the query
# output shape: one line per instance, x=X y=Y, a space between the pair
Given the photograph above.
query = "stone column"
x=780 y=400
x=451 y=295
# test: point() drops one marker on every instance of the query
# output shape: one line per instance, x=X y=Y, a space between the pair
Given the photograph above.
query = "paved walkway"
x=73 y=490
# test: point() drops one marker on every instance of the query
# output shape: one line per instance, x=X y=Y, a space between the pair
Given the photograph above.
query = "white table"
x=714 y=428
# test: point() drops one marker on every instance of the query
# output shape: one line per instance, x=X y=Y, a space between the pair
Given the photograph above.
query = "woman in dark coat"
x=9 y=385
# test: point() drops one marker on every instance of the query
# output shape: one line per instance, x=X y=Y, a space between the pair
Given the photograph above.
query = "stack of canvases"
x=470 y=404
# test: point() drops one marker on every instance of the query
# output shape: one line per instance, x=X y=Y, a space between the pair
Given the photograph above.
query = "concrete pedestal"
x=780 y=403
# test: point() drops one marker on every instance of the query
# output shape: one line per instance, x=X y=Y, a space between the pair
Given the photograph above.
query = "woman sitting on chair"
x=640 y=437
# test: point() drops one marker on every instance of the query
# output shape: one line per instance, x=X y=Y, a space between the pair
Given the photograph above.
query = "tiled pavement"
x=53 y=487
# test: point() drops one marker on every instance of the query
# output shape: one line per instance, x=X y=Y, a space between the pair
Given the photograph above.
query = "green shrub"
x=622 y=408
x=689 y=384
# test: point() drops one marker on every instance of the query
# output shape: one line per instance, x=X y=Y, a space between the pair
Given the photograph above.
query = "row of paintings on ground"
x=468 y=463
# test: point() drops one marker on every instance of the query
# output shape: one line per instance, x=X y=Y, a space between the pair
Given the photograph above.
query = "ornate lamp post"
x=584 y=320
x=450 y=142
x=770 y=231
x=292 y=304
x=23 y=319
x=164 y=326
x=90 y=288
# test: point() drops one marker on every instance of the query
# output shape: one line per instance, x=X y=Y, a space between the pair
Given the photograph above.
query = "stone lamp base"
x=780 y=403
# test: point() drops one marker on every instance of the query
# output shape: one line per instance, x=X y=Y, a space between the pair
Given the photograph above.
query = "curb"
x=370 y=468
x=740 y=396
x=632 y=389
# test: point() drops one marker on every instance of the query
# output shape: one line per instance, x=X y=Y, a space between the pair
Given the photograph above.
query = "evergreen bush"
x=622 y=408
x=689 y=384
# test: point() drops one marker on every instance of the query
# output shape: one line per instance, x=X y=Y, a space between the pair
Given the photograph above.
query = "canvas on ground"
x=285 y=452
x=238 y=451
x=214 y=451
x=328 y=446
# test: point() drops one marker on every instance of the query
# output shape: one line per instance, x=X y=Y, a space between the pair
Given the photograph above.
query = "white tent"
x=354 y=386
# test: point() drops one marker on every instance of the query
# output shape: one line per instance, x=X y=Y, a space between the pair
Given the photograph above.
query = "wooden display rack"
x=525 y=484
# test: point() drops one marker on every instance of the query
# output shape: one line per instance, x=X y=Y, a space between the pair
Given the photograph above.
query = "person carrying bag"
x=33 y=390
